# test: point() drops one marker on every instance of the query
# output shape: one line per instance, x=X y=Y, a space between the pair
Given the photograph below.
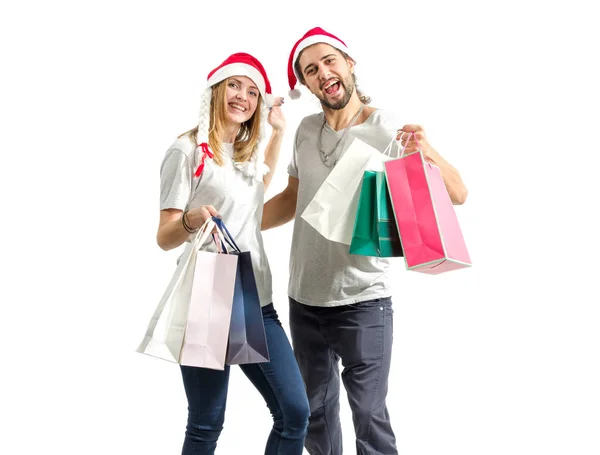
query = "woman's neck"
x=230 y=132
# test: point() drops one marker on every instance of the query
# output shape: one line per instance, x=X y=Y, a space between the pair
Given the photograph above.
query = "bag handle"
x=203 y=232
x=411 y=135
x=227 y=235
x=388 y=149
x=220 y=242
x=218 y=237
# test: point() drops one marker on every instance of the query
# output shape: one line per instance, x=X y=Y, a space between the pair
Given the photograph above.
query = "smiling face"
x=327 y=74
x=241 y=99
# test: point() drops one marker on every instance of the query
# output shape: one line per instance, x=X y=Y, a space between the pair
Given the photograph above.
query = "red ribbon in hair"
x=205 y=152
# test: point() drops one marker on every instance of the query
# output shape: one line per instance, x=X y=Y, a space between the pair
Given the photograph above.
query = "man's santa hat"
x=239 y=64
x=313 y=36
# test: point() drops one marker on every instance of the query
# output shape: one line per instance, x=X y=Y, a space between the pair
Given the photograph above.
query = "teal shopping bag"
x=364 y=237
x=387 y=234
x=375 y=232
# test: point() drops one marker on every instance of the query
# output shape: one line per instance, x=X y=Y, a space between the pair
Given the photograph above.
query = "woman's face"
x=241 y=97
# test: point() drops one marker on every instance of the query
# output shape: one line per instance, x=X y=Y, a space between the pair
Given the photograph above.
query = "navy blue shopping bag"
x=247 y=337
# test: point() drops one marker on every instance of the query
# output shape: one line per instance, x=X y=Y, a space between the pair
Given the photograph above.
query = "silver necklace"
x=327 y=158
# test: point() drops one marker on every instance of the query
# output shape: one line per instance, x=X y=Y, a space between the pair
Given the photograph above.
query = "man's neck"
x=340 y=118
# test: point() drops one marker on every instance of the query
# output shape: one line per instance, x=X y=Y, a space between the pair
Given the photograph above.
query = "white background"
x=502 y=358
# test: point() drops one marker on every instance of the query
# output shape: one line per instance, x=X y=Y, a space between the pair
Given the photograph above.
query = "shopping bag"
x=164 y=334
x=247 y=336
x=375 y=232
x=388 y=237
x=191 y=322
x=430 y=233
x=209 y=318
x=332 y=210
x=364 y=236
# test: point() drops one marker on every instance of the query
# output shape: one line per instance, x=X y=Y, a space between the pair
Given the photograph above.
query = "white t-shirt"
x=236 y=195
x=322 y=272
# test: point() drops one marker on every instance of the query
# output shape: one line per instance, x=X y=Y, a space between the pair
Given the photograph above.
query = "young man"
x=340 y=304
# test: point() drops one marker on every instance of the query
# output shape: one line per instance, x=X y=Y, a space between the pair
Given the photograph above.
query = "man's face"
x=327 y=74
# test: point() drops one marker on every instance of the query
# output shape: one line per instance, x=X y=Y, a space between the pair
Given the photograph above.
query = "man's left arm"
x=452 y=179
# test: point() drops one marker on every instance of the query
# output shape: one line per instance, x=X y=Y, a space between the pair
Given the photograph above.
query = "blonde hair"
x=248 y=136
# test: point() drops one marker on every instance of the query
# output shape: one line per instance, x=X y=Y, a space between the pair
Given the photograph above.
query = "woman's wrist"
x=277 y=133
x=186 y=224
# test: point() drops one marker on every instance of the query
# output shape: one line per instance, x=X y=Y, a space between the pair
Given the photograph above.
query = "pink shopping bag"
x=209 y=316
x=429 y=230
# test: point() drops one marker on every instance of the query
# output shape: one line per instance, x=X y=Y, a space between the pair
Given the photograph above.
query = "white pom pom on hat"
x=313 y=36
x=295 y=94
x=269 y=99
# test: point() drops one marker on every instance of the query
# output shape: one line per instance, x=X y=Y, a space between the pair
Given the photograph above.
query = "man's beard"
x=349 y=87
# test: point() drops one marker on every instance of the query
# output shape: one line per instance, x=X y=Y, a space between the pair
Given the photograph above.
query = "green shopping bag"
x=375 y=232
x=387 y=230
x=364 y=237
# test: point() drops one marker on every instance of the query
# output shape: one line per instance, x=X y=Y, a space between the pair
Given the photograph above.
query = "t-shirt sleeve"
x=293 y=167
x=175 y=180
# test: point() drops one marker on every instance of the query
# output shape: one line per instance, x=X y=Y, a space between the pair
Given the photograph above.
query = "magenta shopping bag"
x=429 y=230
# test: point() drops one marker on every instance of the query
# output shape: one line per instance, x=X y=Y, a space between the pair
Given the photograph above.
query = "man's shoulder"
x=382 y=117
x=311 y=122
x=378 y=130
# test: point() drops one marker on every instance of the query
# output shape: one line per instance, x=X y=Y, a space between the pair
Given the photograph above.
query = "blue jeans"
x=279 y=382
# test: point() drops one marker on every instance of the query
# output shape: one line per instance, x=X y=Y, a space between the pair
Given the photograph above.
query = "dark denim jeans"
x=360 y=336
x=280 y=383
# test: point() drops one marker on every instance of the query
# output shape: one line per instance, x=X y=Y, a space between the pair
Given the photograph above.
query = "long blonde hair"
x=247 y=138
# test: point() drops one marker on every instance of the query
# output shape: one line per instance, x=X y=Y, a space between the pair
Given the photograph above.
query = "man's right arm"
x=281 y=208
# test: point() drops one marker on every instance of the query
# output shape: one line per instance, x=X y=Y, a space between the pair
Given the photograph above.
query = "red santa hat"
x=313 y=36
x=239 y=64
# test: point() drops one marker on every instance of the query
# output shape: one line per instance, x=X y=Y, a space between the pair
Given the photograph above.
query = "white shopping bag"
x=332 y=211
x=190 y=325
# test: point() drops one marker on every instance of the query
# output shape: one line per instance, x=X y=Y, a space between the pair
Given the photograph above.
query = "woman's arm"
x=171 y=230
x=277 y=121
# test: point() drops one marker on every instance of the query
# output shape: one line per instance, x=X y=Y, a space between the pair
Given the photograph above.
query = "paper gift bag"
x=430 y=233
x=164 y=335
x=211 y=305
x=191 y=322
x=364 y=237
x=247 y=336
x=332 y=211
x=388 y=237
x=375 y=232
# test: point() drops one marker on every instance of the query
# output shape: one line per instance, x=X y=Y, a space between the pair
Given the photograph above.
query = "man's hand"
x=413 y=139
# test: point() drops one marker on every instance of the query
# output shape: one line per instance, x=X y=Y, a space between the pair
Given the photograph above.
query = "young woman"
x=217 y=169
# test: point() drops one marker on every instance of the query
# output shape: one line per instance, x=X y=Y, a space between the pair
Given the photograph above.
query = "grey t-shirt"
x=322 y=272
x=239 y=199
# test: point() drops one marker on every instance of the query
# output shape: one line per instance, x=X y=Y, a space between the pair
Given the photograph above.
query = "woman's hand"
x=196 y=217
x=276 y=118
